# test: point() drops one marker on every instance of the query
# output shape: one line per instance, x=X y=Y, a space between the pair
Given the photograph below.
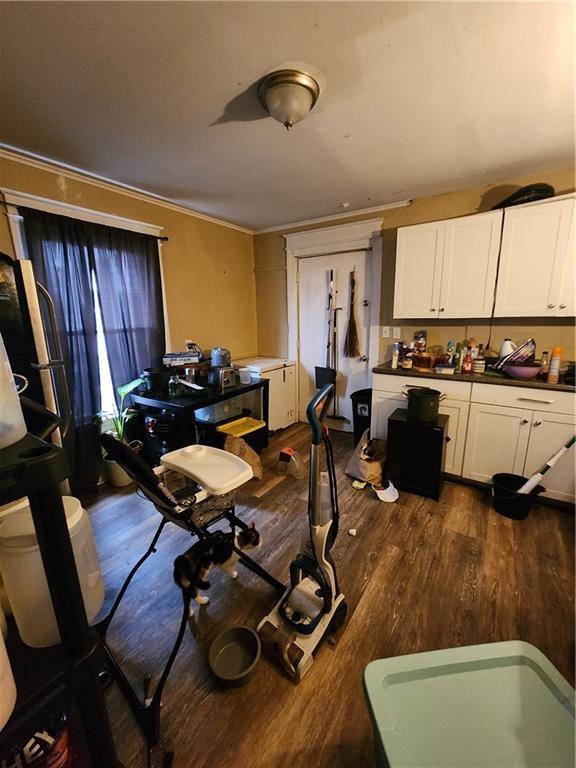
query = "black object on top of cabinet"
x=415 y=454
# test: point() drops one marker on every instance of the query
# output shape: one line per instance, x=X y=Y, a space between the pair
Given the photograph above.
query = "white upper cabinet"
x=447 y=269
x=536 y=276
x=419 y=253
x=469 y=265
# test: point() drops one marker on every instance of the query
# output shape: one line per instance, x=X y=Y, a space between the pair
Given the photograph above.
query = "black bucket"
x=507 y=501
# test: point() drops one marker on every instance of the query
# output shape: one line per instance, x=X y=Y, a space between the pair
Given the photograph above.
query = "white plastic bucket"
x=12 y=426
x=23 y=572
x=7 y=686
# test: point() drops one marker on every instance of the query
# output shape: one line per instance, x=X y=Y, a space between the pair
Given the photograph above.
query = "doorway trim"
x=363 y=235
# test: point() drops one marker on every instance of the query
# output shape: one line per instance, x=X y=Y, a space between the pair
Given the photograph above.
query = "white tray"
x=215 y=470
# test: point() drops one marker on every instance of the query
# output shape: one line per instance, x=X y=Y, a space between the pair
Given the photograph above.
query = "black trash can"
x=361 y=412
x=505 y=498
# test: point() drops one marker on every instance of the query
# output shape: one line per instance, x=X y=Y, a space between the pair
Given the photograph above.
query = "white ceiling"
x=420 y=98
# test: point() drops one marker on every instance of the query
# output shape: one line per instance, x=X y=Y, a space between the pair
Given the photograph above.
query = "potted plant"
x=114 y=472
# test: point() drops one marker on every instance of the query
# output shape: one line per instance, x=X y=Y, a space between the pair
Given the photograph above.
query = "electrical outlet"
x=396 y=332
x=385 y=331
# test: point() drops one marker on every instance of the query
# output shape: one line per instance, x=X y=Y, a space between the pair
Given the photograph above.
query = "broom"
x=351 y=343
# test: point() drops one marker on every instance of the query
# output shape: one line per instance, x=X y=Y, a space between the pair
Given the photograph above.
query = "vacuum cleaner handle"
x=317 y=410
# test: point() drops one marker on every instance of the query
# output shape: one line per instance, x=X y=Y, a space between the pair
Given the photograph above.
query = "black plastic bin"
x=361 y=412
x=507 y=501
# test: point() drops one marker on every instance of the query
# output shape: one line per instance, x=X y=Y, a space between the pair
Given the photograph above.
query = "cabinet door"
x=383 y=405
x=496 y=441
x=282 y=393
x=567 y=290
x=532 y=260
x=548 y=434
x=456 y=432
x=418 y=270
x=471 y=246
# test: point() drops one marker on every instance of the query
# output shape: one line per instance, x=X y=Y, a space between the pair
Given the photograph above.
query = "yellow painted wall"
x=208 y=268
x=270 y=264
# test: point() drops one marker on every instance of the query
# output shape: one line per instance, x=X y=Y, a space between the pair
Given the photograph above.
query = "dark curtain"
x=127 y=270
x=60 y=251
x=72 y=258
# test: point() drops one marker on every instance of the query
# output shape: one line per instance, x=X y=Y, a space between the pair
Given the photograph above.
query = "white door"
x=383 y=406
x=418 y=270
x=549 y=433
x=457 y=411
x=313 y=284
x=471 y=246
x=532 y=259
x=496 y=441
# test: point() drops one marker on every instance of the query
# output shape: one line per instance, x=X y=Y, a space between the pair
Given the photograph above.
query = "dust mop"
x=530 y=484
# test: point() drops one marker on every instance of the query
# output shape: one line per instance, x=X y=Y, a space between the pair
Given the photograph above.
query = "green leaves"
x=124 y=414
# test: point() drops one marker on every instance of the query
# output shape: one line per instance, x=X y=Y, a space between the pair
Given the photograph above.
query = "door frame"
x=357 y=236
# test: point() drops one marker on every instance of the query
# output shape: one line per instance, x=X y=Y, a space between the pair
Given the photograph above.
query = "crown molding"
x=86 y=177
x=334 y=217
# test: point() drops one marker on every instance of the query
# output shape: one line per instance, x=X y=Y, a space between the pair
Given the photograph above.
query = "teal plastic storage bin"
x=500 y=705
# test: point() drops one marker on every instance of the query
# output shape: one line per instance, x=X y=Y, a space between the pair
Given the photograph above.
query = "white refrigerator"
x=281 y=373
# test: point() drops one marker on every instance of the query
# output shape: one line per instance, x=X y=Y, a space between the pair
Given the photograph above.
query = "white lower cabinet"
x=282 y=394
x=383 y=405
x=496 y=441
x=548 y=434
x=457 y=424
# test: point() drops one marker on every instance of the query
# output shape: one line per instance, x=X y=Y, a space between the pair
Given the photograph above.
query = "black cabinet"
x=415 y=454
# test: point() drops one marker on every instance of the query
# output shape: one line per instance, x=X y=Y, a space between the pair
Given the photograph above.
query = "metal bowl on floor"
x=233 y=654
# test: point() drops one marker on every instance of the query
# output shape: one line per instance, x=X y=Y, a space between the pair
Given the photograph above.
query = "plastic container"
x=505 y=499
x=361 y=412
x=245 y=375
x=498 y=705
x=7 y=686
x=12 y=426
x=23 y=571
x=226 y=409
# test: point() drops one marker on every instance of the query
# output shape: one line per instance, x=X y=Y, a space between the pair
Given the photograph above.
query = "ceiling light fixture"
x=288 y=94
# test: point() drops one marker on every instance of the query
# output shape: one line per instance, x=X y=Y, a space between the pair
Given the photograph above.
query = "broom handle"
x=530 y=484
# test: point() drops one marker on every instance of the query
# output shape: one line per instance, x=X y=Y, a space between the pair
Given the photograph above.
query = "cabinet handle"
x=524 y=421
x=551 y=306
x=363 y=359
x=442 y=309
x=562 y=306
x=534 y=400
x=432 y=309
x=537 y=423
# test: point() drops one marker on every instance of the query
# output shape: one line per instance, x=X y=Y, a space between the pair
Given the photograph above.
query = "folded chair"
x=193 y=509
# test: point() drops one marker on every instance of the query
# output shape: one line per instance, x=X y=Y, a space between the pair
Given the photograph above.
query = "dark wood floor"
x=418 y=576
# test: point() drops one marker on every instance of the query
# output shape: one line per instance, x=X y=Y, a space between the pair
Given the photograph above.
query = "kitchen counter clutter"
x=495 y=425
x=479 y=378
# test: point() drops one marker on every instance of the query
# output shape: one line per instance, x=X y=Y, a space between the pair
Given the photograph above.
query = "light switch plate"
x=396 y=332
x=385 y=331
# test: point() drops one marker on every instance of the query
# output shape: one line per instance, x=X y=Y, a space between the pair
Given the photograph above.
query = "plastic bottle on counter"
x=395 y=356
x=458 y=355
x=467 y=363
x=544 y=365
x=554 y=372
x=479 y=363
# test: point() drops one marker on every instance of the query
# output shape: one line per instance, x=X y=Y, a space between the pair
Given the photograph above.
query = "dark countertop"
x=197 y=398
x=474 y=378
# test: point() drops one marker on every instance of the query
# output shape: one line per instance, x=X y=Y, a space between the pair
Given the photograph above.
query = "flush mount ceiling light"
x=288 y=94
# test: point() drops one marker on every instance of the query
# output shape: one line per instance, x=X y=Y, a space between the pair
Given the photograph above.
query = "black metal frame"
x=147 y=712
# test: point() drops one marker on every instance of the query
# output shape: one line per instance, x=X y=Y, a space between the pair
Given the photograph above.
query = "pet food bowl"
x=233 y=654
x=525 y=372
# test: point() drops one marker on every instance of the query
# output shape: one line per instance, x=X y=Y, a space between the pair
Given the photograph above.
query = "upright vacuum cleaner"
x=312 y=605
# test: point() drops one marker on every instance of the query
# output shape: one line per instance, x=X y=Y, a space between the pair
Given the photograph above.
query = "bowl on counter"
x=525 y=372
